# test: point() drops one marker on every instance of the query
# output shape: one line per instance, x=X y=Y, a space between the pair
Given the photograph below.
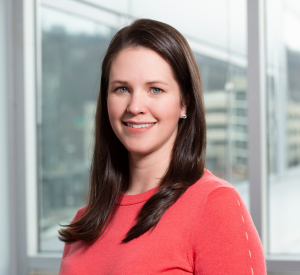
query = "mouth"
x=138 y=126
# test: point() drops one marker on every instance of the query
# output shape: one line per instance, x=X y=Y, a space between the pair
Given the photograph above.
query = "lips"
x=138 y=127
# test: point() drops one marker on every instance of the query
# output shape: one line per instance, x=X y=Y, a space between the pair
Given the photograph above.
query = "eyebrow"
x=148 y=83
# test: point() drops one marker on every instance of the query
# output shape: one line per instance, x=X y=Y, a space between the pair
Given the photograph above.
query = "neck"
x=146 y=171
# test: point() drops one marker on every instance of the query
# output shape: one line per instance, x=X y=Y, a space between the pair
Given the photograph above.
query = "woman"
x=153 y=208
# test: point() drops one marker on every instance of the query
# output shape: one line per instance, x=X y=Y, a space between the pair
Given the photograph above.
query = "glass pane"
x=198 y=17
x=72 y=51
x=283 y=88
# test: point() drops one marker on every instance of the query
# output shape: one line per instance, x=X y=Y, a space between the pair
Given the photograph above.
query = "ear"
x=183 y=109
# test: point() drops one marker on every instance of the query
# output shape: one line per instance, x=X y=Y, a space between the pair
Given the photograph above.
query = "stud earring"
x=184 y=116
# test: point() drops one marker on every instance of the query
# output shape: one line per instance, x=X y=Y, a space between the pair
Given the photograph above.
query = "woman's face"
x=144 y=103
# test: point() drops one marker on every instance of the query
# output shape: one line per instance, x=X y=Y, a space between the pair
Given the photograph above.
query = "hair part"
x=109 y=176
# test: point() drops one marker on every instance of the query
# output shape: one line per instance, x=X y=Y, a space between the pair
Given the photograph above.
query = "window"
x=72 y=50
x=85 y=28
x=283 y=93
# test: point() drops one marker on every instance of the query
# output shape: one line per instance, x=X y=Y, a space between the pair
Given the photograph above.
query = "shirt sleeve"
x=225 y=239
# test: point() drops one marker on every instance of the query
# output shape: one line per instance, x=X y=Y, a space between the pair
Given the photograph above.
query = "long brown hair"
x=110 y=169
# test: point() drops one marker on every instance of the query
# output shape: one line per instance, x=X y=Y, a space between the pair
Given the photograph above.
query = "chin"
x=138 y=148
x=139 y=151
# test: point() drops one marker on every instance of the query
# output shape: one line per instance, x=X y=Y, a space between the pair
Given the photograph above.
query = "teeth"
x=139 y=125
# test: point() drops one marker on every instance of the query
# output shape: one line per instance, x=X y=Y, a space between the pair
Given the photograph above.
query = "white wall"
x=4 y=183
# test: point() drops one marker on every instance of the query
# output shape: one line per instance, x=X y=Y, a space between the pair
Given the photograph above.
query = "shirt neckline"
x=134 y=199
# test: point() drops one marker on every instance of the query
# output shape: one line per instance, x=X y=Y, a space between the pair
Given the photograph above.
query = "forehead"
x=140 y=64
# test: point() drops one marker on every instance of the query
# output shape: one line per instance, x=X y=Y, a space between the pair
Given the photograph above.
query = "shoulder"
x=214 y=201
x=209 y=189
x=212 y=181
x=206 y=185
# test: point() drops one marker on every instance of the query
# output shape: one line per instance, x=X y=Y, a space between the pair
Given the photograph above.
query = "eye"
x=156 y=91
x=121 y=90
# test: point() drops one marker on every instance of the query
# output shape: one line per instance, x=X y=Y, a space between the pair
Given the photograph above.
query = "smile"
x=139 y=125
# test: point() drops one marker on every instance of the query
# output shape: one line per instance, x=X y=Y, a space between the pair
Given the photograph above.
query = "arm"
x=225 y=239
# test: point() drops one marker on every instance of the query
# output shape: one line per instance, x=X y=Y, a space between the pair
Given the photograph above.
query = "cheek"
x=113 y=114
x=169 y=111
x=114 y=108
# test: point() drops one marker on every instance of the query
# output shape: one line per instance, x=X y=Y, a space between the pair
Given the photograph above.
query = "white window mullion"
x=257 y=117
x=17 y=129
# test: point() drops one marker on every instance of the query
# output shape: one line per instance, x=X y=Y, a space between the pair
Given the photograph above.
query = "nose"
x=137 y=103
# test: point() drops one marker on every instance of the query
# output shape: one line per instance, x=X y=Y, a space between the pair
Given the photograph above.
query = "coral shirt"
x=208 y=231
